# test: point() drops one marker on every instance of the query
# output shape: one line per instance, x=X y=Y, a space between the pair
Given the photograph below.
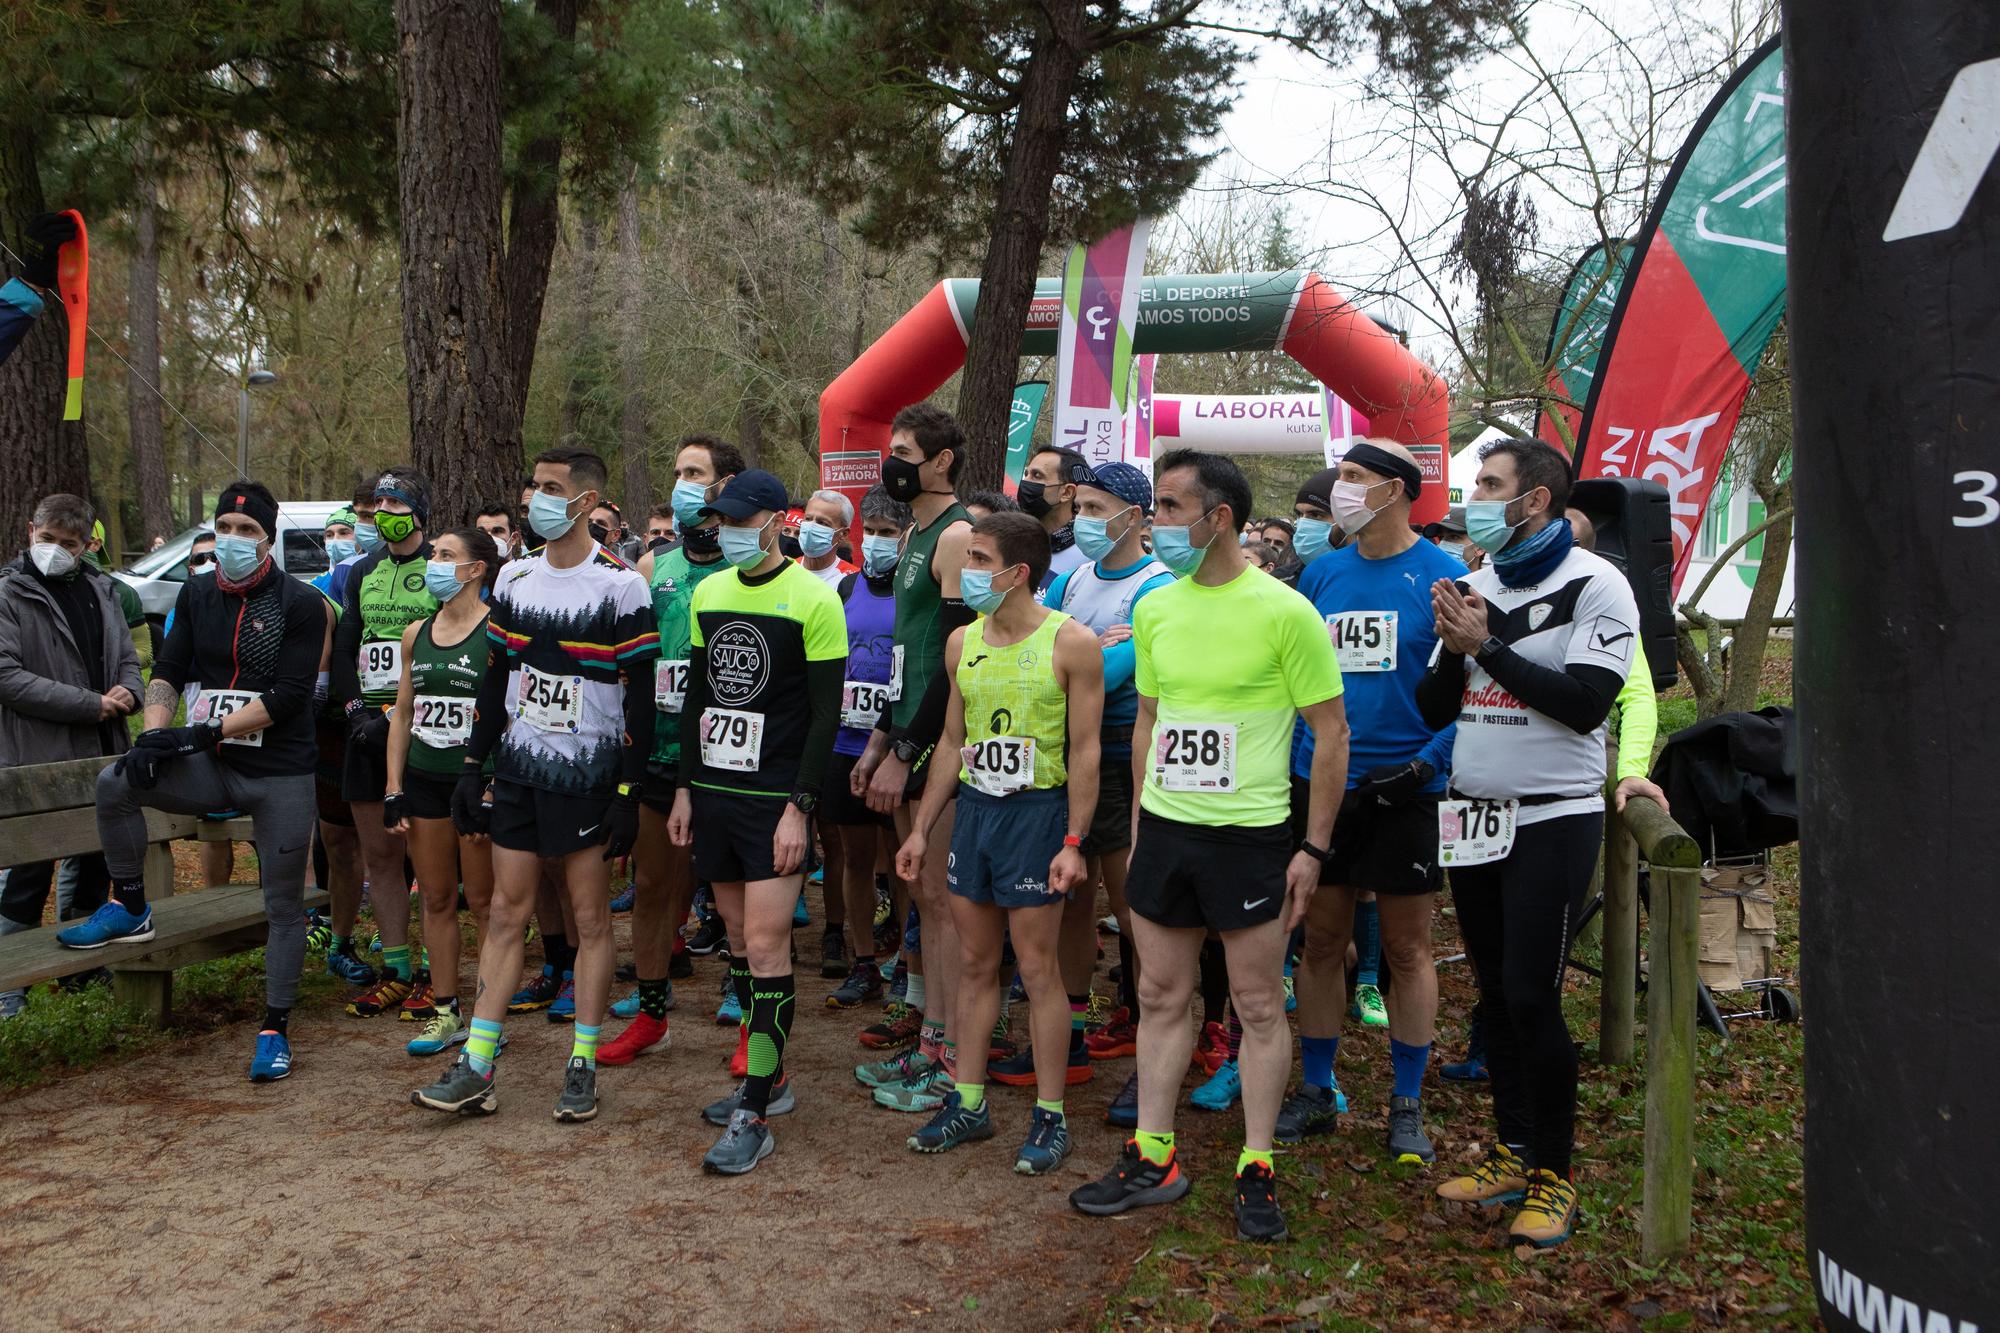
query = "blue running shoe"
x=1224 y=1086
x=342 y=963
x=729 y=1013
x=623 y=902
x=562 y=1009
x=1291 y=992
x=273 y=1060
x=108 y=925
x=1124 y=1109
x=952 y=1125
x=1047 y=1145
x=801 y=917
x=627 y=1007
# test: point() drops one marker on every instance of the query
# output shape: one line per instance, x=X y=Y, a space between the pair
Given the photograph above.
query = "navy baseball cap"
x=1123 y=480
x=747 y=493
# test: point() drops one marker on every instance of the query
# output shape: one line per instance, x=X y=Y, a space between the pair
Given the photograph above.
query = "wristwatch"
x=1319 y=854
x=906 y=750
x=1487 y=647
x=1072 y=840
x=627 y=789
x=806 y=801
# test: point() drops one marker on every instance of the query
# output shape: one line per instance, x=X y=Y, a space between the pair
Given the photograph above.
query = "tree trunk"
x=1013 y=256
x=464 y=425
x=531 y=229
x=1746 y=665
x=750 y=431
x=633 y=437
x=571 y=412
x=142 y=397
x=43 y=453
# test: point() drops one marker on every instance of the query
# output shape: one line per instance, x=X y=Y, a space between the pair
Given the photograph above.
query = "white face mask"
x=53 y=560
x=1350 y=505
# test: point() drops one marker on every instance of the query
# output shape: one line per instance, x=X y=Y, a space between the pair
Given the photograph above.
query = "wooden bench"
x=49 y=811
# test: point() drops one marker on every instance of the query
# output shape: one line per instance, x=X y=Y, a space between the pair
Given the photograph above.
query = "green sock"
x=583 y=1042
x=1260 y=1156
x=972 y=1096
x=396 y=960
x=1155 y=1148
x=1053 y=1108
x=341 y=944
x=482 y=1045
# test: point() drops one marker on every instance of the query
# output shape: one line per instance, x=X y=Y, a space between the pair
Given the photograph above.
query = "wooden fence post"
x=1617 y=996
x=1666 y=1215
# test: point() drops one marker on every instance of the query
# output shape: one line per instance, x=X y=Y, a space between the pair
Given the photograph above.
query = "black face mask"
x=1033 y=498
x=789 y=547
x=903 y=479
x=600 y=534
x=659 y=544
x=703 y=541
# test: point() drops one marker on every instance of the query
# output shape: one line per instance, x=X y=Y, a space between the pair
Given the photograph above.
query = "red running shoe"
x=642 y=1036
x=1118 y=1037
x=739 y=1063
x=1212 y=1051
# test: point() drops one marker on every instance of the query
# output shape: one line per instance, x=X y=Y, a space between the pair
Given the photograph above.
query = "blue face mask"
x=1486 y=524
x=815 y=539
x=689 y=499
x=879 y=554
x=549 y=515
x=1312 y=537
x=236 y=556
x=744 y=547
x=366 y=536
x=975 y=586
x=338 y=549
x=1176 y=552
x=1093 y=536
x=1456 y=550
x=441 y=579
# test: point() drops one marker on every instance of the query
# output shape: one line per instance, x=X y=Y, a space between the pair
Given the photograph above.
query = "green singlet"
x=1012 y=701
x=390 y=593
x=444 y=680
x=918 y=633
x=675 y=577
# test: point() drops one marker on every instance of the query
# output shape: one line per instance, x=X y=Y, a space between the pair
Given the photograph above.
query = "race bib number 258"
x=1195 y=756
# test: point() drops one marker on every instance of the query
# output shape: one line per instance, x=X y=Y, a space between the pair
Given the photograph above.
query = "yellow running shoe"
x=384 y=995
x=1548 y=1212
x=1502 y=1177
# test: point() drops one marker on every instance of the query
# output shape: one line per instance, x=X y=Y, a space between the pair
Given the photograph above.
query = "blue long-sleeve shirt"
x=1100 y=599
x=1367 y=604
x=20 y=307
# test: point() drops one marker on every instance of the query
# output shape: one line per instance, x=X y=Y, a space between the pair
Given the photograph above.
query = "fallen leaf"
x=1361 y=1165
x=1644 y=1309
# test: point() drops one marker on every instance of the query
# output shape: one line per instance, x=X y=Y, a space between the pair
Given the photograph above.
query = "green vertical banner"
x=1576 y=339
x=1027 y=410
x=1704 y=289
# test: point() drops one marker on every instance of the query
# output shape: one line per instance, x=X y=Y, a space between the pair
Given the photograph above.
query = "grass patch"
x=61 y=1032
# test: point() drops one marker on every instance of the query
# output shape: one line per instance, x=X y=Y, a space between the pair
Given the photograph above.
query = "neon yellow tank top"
x=1016 y=715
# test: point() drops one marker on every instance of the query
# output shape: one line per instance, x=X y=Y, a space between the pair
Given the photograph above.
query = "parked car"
x=158 y=575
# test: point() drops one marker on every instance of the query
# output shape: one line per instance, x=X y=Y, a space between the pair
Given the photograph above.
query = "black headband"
x=1380 y=461
x=241 y=500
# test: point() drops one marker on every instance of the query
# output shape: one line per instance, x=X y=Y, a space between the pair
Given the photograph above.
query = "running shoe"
x=1221 y=1090
x=1291 y=992
x=319 y=935
x=1017 y=990
x=833 y=953
x=952 y=1125
x=1257 y=1215
x=627 y=1007
x=109 y=924
x=730 y=1010
x=643 y=1036
x=562 y=1009
x=460 y=1090
x=745 y=1141
x=1308 y=1112
x=1501 y=1178
x=539 y=993
x=1000 y=1049
x=884 y=1073
x=1407 y=1140
x=1124 y=1109
x=1472 y=1069
x=1548 y=1212
x=1118 y=1037
x=384 y=995
x=1368 y=1007
x=863 y=984
x=1018 y=1071
x=1211 y=1051
x=886 y=939
x=578 y=1101
x=623 y=902
x=1099 y=1009
x=12 y=1002
x=783 y=1102
x=417 y=1005
x=896 y=974
x=1133 y=1183
x=924 y=1090
x=342 y=963
x=711 y=935
x=446 y=1028
x=800 y=916
x=1109 y=925
x=898 y=1027
x=273 y=1058
x=885 y=901
x=739 y=1059
x=1047 y=1144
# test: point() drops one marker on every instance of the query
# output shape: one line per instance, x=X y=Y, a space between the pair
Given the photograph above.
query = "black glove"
x=621 y=826
x=470 y=813
x=1393 y=784
x=48 y=233
x=368 y=728
x=141 y=768
x=395 y=809
x=175 y=741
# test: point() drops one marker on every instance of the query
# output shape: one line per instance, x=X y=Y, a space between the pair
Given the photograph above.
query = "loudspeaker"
x=1635 y=532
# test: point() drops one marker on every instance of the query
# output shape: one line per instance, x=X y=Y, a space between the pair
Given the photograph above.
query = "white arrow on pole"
x=1956 y=153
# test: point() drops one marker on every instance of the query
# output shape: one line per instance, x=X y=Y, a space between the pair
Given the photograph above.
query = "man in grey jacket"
x=69 y=676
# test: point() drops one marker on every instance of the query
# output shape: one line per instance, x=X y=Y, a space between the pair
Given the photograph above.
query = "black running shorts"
x=839 y=806
x=1189 y=876
x=429 y=793
x=733 y=835
x=1111 y=826
x=547 y=823
x=657 y=788
x=1378 y=848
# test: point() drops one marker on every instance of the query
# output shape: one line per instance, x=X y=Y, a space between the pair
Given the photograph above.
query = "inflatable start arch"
x=1293 y=311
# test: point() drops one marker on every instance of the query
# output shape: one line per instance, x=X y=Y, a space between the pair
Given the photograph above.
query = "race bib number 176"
x=1472 y=833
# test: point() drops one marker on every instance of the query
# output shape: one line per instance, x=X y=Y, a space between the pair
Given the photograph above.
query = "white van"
x=158 y=575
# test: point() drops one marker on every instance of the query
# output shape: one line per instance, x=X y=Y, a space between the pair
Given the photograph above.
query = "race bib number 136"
x=1195 y=756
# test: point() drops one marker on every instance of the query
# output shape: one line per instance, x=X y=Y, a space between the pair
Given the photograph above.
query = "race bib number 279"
x=1195 y=756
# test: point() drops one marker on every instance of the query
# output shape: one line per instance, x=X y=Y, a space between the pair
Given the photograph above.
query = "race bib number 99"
x=670 y=685
x=861 y=704
x=441 y=722
x=381 y=665
x=550 y=703
x=214 y=705
x=1472 y=833
x=1363 y=640
x=732 y=739
x=1195 y=756
x=1001 y=765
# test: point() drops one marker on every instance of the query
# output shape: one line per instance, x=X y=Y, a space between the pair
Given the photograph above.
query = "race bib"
x=550 y=703
x=440 y=721
x=214 y=705
x=1195 y=756
x=732 y=739
x=1363 y=640
x=1471 y=833
x=896 y=673
x=670 y=685
x=861 y=704
x=381 y=665
x=1001 y=765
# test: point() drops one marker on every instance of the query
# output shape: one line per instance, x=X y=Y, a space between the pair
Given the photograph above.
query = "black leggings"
x=1517 y=916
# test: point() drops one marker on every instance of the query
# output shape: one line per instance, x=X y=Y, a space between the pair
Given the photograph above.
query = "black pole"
x=1893 y=116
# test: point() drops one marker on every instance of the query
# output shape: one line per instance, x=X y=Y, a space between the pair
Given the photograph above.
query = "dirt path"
x=168 y=1192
